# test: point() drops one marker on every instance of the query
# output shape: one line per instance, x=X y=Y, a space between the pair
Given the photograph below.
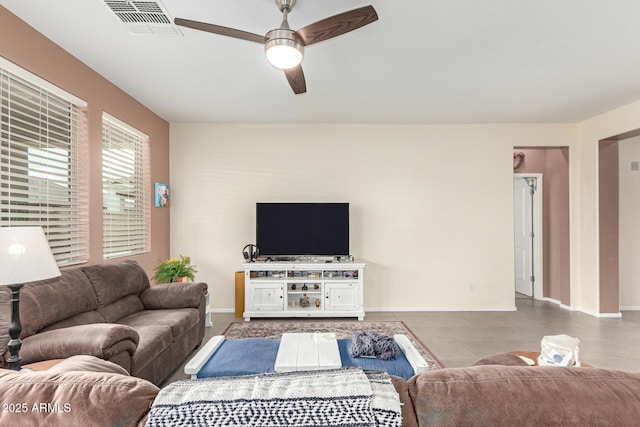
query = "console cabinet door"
x=342 y=297
x=266 y=297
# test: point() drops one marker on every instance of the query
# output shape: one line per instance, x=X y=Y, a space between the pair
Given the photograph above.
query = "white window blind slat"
x=125 y=200
x=43 y=162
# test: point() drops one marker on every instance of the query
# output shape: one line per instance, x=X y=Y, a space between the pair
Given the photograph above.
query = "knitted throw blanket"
x=342 y=397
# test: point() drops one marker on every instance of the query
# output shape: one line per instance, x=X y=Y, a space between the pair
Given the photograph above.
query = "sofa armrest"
x=103 y=340
x=495 y=395
x=86 y=363
x=174 y=295
x=53 y=398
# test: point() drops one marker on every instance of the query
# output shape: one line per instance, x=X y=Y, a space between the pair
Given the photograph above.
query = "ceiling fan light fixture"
x=283 y=50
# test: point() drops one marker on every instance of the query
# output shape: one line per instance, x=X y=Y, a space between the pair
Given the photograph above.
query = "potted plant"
x=175 y=270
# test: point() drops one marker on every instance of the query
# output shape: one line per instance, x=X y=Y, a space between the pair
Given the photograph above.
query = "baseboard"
x=223 y=310
x=554 y=301
x=582 y=310
x=560 y=304
x=614 y=315
x=383 y=309
x=403 y=309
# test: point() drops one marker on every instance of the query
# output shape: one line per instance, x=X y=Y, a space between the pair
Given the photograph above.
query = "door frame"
x=538 y=252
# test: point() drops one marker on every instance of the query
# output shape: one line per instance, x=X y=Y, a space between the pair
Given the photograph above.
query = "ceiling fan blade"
x=337 y=25
x=223 y=31
x=295 y=76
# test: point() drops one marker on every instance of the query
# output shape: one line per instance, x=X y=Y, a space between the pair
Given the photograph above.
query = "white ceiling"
x=423 y=61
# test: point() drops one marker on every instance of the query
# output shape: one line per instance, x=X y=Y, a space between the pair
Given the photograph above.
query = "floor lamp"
x=25 y=256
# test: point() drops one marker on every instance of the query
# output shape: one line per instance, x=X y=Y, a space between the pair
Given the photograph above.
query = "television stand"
x=303 y=289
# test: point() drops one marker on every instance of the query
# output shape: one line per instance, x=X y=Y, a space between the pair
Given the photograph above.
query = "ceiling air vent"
x=143 y=17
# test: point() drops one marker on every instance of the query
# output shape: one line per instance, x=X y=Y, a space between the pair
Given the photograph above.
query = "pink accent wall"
x=553 y=163
x=609 y=208
x=22 y=45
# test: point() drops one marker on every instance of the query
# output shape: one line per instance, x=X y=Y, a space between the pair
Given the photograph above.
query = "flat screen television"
x=289 y=229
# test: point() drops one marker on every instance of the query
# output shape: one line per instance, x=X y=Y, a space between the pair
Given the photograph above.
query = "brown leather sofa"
x=109 y=311
x=85 y=391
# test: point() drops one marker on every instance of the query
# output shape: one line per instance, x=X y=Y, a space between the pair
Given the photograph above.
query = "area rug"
x=342 y=329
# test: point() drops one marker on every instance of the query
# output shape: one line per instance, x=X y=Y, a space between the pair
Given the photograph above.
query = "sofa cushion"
x=492 y=395
x=86 y=318
x=49 y=301
x=121 y=308
x=111 y=282
x=180 y=320
x=154 y=339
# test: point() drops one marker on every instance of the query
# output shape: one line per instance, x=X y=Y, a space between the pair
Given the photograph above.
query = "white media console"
x=303 y=289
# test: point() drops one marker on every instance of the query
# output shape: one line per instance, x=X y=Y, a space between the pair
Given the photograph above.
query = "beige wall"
x=431 y=205
x=27 y=48
x=629 y=243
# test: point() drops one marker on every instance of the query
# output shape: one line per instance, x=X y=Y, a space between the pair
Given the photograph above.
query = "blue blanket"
x=250 y=356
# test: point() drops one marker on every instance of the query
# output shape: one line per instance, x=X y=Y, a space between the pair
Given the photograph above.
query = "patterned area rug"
x=342 y=329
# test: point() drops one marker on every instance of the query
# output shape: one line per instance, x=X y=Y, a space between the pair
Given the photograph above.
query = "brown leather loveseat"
x=109 y=311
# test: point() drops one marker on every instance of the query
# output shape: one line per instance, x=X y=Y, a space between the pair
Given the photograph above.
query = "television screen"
x=302 y=228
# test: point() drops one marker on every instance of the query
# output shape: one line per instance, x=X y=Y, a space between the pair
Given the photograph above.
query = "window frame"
x=126 y=214
x=44 y=161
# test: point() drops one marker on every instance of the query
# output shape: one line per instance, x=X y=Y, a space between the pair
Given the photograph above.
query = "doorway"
x=527 y=210
x=553 y=252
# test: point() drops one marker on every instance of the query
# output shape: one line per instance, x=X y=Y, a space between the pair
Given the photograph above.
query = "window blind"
x=43 y=163
x=125 y=199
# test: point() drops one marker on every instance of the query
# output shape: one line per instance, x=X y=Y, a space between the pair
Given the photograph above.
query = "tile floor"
x=459 y=338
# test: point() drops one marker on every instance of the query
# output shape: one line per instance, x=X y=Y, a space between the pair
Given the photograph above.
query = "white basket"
x=559 y=350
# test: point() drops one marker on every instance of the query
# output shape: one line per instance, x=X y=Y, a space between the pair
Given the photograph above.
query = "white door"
x=523 y=235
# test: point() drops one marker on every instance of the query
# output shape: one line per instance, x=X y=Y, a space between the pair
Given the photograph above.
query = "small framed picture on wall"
x=161 y=195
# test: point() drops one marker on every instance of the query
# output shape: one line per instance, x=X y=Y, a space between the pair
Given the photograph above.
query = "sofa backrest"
x=117 y=288
x=49 y=301
x=495 y=395
x=111 y=282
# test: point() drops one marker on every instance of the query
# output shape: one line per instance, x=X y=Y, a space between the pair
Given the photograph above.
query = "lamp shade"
x=25 y=256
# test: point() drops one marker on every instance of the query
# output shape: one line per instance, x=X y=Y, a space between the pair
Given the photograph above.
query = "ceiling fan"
x=283 y=46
